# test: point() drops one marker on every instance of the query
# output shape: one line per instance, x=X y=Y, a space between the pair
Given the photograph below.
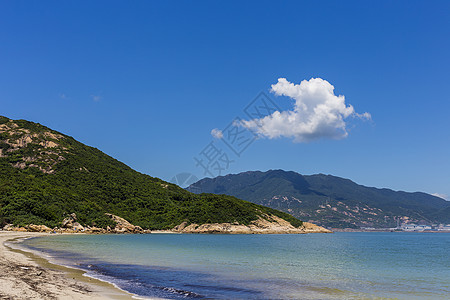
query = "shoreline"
x=26 y=275
x=393 y=231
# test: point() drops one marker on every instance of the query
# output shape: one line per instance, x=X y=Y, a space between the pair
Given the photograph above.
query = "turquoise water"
x=312 y=266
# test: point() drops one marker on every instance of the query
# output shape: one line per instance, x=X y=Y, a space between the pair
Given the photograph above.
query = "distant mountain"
x=46 y=175
x=328 y=200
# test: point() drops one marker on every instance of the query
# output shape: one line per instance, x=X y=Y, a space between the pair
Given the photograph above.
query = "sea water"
x=310 y=266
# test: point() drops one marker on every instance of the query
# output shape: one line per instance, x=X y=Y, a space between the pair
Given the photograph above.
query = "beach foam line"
x=117 y=282
x=73 y=285
x=112 y=280
x=89 y=274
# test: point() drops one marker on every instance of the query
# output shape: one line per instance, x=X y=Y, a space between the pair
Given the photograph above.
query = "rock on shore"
x=274 y=225
x=267 y=225
x=70 y=225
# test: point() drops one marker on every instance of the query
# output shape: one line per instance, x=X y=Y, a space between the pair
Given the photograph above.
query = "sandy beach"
x=24 y=275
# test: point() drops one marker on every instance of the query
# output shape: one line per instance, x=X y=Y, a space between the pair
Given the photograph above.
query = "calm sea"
x=311 y=266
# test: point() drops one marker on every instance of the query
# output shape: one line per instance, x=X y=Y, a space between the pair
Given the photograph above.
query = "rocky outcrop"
x=310 y=227
x=77 y=227
x=47 y=149
x=69 y=221
x=38 y=228
x=11 y=227
x=70 y=225
x=123 y=226
x=8 y=227
x=269 y=225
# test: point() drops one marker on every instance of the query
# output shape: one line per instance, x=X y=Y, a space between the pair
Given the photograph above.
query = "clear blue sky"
x=147 y=81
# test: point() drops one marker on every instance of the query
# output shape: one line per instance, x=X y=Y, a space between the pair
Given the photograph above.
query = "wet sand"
x=24 y=275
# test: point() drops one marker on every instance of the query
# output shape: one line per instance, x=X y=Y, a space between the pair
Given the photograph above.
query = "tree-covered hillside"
x=46 y=175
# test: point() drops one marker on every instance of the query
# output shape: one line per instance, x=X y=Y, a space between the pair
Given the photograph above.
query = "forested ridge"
x=46 y=175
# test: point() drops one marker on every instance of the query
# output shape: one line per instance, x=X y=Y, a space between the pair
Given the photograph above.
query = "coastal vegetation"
x=46 y=175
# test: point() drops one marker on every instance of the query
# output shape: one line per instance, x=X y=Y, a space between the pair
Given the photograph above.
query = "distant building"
x=414 y=227
x=408 y=227
x=423 y=227
x=443 y=227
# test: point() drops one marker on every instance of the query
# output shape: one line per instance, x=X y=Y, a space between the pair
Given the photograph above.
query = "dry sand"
x=24 y=275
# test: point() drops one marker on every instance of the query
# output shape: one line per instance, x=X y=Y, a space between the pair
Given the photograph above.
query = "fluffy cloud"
x=440 y=196
x=317 y=113
x=216 y=133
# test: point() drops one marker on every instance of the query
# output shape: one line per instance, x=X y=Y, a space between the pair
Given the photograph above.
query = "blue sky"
x=147 y=81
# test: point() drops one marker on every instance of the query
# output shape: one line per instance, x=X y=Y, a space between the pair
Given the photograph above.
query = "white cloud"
x=443 y=196
x=317 y=113
x=216 y=133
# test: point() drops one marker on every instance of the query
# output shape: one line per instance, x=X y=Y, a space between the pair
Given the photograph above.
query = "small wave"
x=186 y=294
x=223 y=288
x=140 y=289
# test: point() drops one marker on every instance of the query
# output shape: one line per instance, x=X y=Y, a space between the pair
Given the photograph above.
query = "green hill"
x=328 y=200
x=46 y=175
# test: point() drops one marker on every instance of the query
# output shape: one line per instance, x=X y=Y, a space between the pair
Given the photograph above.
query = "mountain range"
x=327 y=200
